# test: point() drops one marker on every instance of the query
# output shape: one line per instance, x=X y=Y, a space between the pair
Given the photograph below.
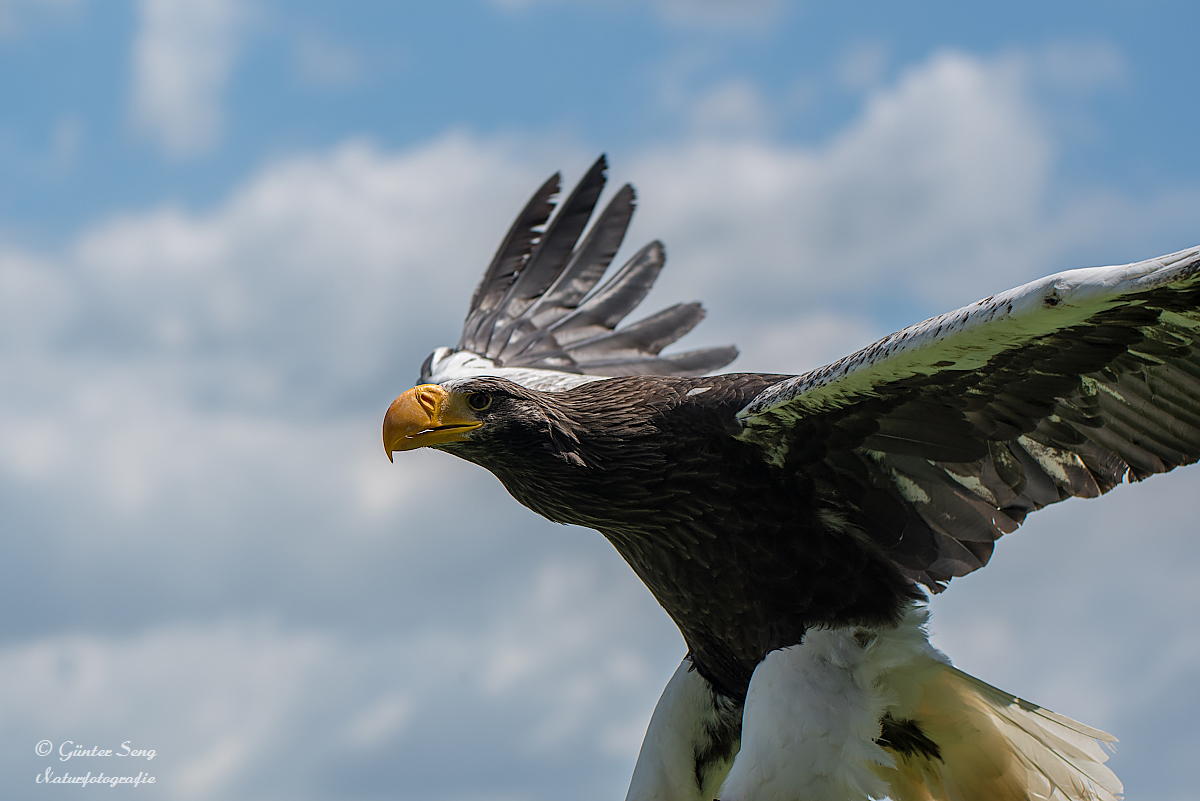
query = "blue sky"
x=230 y=231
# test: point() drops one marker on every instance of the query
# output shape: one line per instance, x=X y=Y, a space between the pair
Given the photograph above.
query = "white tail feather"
x=992 y=745
x=1063 y=752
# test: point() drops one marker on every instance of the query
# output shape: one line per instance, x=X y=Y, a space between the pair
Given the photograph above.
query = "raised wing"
x=940 y=438
x=541 y=307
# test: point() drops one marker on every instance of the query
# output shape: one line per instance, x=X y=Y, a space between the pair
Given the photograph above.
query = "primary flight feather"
x=790 y=524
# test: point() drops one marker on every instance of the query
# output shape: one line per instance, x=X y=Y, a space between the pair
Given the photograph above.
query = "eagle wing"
x=541 y=316
x=940 y=438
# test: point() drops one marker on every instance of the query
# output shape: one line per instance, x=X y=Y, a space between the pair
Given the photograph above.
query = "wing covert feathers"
x=538 y=305
x=938 y=439
x=968 y=338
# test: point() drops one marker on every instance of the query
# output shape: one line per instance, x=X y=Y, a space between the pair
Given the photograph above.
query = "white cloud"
x=182 y=58
x=382 y=719
x=941 y=192
x=210 y=701
x=794 y=346
x=36 y=300
x=724 y=15
x=235 y=704
x=721 y=14
x=941 y=178
x=318 y=264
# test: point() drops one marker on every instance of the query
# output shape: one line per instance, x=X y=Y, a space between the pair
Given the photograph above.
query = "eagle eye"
x=479 y=401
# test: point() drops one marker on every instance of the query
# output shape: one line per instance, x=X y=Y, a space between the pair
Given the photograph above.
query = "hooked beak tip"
x=415 y=419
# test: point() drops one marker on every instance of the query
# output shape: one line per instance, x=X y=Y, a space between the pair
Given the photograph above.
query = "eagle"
x=792 y=525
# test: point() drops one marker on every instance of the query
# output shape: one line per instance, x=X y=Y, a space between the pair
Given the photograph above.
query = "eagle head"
x=475 y=418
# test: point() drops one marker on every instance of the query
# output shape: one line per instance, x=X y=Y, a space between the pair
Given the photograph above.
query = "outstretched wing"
x=940 y=438
x=541 y=306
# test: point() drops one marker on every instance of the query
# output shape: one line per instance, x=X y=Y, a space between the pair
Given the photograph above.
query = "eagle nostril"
x=428 y=401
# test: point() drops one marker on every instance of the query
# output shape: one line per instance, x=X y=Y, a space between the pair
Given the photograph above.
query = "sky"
x=231 y=230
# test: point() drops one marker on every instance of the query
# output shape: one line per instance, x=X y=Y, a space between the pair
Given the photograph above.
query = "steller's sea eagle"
x=790 y=524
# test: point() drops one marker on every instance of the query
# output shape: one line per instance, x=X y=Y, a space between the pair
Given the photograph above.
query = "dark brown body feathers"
x=737 y=550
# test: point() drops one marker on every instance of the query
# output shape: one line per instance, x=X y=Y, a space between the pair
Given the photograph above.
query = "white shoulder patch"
x=448 y=364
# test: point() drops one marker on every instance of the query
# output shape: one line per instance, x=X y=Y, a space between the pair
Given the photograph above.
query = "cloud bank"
x=182 y=58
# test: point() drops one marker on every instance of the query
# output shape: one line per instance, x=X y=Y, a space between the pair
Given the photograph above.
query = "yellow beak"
x=426 y=415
